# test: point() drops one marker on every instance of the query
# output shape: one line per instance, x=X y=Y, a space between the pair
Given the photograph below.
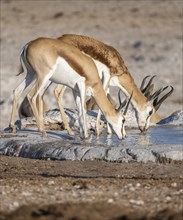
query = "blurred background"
x=148 y=34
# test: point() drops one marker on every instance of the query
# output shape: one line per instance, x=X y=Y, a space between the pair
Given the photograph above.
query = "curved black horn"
x=143 y=82
x=146 y=89
x=121 y=104
x=119 y=97
x=157 y=102
x=128 y=104
x=148 y=93
x=157 y=93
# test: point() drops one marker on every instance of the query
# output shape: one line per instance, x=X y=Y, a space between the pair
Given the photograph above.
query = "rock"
x=136 y=202
x=110 y=200
x=51 y=182
x=174 y=119
x=174 y=185
x=53 y=121
x=168 y=199
x=160 y=143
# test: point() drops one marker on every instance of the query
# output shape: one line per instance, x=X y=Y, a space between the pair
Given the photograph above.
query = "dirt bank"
x=37 y=189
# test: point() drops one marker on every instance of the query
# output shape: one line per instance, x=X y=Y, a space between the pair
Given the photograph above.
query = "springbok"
x=26 y=111
x=110 y=65
x=146 y=90
x=50 y=60
x=115 y=73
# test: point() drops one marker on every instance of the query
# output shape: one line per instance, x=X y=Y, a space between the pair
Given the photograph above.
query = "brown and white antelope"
x=146 y=90
x=50 y=60
x=115 y=73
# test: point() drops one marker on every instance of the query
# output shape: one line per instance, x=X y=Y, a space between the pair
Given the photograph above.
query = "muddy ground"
x=38 y=189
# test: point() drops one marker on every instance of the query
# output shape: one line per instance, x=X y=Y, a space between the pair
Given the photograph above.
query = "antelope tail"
x=23 y=59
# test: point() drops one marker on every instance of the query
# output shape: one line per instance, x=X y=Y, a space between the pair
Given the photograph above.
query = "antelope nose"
x=142 y=129
x=123 y=136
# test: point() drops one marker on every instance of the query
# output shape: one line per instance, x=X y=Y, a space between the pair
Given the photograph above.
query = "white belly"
x=102 y=68
x=63 y=73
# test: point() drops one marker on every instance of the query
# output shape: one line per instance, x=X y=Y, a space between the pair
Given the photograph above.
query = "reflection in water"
x=144 y=139
x=157 y=135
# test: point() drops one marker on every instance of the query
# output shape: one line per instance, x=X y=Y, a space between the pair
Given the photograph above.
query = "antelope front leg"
x=80 y=98
x=59 y=90
x=41 y=107
x=98 y=123
x=106 y=80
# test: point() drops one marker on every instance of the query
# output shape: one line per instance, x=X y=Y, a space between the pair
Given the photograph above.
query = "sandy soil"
x=148 y=34
x=35 y=189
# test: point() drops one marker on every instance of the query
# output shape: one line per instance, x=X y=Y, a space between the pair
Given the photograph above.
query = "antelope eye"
x=150 y=113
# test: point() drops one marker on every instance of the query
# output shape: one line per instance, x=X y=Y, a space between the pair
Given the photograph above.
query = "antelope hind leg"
x=59 y=90
x=32 y=97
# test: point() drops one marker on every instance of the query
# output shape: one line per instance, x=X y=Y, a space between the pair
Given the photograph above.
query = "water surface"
x=168 y=135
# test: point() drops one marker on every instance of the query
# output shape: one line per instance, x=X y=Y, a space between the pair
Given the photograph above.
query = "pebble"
x=16 y=204
x=128 y=185
x=77 y=186
x=136 y=202
x=26 y=193
x=3 y=193
x=51 y=182
x=138 y=185
x=168 y=199
x=132 y=189
x=147 y=186
x=110 y=200
x=174 y=185
x=178 y=192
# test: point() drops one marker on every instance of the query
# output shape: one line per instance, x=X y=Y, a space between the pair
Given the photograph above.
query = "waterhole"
x=160 y=135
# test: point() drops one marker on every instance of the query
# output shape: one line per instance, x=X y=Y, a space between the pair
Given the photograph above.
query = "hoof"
x=44 y=134
x=85 y=137
x=109 y=130
x=109 y=134
x=12 y=129
x=70 y=132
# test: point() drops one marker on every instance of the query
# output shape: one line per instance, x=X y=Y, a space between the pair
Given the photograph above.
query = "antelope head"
x=121 y=111
x=153 y=102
